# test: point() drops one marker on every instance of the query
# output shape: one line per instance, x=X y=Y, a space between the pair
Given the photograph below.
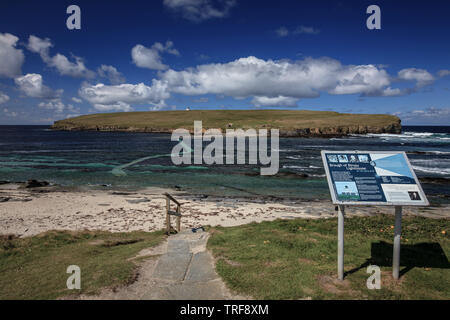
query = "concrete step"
x=172 y=266
x=201 y=268
x=212 y=290
x=175 y=245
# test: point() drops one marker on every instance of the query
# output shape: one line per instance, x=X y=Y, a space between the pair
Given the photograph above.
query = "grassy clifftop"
x=290 y=123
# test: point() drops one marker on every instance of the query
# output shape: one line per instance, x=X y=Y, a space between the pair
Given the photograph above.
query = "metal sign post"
x=372 y=178
x=341 y=214
x=397 y=242
x=397 y=238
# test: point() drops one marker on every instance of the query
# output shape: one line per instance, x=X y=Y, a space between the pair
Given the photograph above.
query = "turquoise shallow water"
x=95 y=158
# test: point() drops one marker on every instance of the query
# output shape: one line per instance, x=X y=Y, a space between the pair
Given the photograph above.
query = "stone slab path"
x=180 y=268
x=186 y=271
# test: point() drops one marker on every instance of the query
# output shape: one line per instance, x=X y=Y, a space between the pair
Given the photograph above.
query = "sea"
x=132 y=161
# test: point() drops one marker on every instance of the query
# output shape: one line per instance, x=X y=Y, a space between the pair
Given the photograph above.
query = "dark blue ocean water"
x=88 y=159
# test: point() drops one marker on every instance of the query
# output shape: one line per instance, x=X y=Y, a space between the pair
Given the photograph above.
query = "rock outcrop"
x=35 y=184
x=336 y=131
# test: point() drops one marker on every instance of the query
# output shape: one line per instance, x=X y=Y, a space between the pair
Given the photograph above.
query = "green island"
x=291 y=123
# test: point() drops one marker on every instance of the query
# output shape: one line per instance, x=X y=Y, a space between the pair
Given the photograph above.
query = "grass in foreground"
x=296 y=259
x=35 y=267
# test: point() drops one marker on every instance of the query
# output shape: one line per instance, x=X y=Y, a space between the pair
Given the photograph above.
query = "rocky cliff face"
x=341 y=131
x=334 y=131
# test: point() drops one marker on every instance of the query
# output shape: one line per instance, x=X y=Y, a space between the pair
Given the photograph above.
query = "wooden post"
x=167 y=216
x=169 y=213
x=178 y=219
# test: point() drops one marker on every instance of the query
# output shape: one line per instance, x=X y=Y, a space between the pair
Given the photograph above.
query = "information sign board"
x=372 y=178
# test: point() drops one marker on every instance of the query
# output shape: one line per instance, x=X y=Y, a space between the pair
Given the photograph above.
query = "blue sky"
x=234 y=54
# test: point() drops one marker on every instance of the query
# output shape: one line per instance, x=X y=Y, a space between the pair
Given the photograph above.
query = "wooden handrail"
x=173 y=213
x=169 y=213
x=172 y=199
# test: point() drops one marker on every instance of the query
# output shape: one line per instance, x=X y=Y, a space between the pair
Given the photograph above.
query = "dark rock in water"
x=252 y=174
x=286 y=174
x=4 y=199
x=177 y=188
x=4 y=182
x=36 y=184
x=291 y=174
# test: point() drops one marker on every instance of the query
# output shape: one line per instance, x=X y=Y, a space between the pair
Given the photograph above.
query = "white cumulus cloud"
x=32 y=85
x=117 y=106
x=38 y=45
x=121 y=97
x=150 y=58
x=65 y=67
x=365 y=79
x=253 y=77
x=443 y=73
x=11 y=59
x=3 y=98
x=76 y=69
x=58 y=106
x=390 y=92
x=423 y=77
x=111 y=73
x=279 y=101
x=200 y=10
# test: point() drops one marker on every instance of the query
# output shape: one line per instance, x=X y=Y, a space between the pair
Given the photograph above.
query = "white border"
x=425 y=203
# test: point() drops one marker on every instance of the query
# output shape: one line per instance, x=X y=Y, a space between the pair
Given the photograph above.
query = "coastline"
x=32 y=211
x=69 y=202
x=313 y=132
x=289 y=123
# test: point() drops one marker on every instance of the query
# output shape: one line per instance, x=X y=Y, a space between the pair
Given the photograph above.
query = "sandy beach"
x=27 y=212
